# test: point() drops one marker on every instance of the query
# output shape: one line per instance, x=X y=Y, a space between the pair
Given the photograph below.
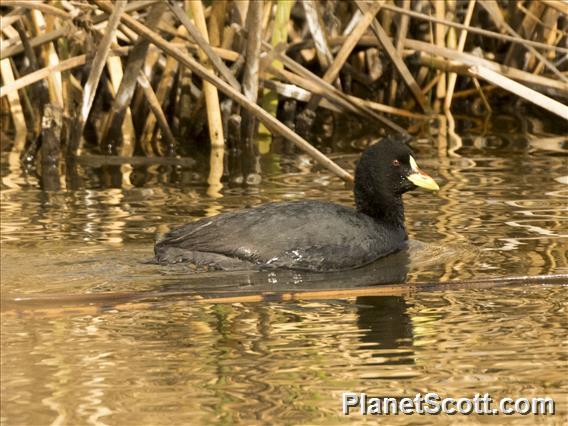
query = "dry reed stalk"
x=528 y=94
x=544 y=20
x=74 y=146
x=37 y=6
x=111 y=133
x=327 y=90
x=399 y=44
x=267 y=23
x=202 y=40
x=10 y=18
x=440 y=40
x=217 y=22
x=560 y=6
x=138 y=104
x=401 y=67
x=493 y=9
x=67 y=29
x=11 y=50
x=39 y=92
x=50 y=58
x=525 y=28
x=551 y=35
x=430 y=85
x=212 y=103
x=222 y=52
x=388 y=109
x=114 y=66
x=269 y=100
x=474 y=30
x=251 y=69
x=314 y=89
x=295 y=92
x=317 y=30
x=482 y=95
x=468 y=92
x=472 y=60
x=15 y=108
x=41 y=74
x=156 y=109
x=333 y=71
x=452 y=77
x=242 y=8
x=270 y=122
x=162 y=92
x=292 y=91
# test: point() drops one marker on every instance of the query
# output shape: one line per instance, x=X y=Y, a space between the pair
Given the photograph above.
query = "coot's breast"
x=306 y=235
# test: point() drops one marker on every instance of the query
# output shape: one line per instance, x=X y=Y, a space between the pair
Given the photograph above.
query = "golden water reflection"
x=501 y=211
x=288 y=361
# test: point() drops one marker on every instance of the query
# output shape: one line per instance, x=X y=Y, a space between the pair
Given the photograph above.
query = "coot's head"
x=384 y=172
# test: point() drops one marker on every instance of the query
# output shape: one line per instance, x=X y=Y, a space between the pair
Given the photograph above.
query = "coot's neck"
x=388 y=210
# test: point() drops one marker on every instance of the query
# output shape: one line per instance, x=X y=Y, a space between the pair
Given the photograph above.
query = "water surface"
x=501 y=211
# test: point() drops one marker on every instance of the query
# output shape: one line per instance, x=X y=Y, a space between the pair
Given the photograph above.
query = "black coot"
x=309 y=235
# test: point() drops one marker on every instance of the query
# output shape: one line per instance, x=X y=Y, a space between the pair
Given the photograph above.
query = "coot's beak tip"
x=420 y=178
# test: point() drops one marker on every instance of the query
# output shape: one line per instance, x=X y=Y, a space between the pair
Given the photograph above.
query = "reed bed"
x=149 y=80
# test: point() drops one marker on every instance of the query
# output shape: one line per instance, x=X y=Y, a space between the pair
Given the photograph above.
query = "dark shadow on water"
x=386 y=325
x=389 y=270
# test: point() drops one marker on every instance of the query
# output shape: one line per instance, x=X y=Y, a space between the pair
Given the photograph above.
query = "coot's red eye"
x=395 y=163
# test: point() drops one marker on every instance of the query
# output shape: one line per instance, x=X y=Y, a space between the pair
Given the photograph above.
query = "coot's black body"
x=285 y=235
x=309 y=235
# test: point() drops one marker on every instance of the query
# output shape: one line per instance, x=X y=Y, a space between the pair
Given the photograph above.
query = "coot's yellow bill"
x=420 y=178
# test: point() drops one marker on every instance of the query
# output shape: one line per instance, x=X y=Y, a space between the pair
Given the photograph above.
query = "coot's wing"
x=302 y=235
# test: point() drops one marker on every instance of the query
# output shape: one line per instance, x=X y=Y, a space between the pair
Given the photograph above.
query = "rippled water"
x=501 y=212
